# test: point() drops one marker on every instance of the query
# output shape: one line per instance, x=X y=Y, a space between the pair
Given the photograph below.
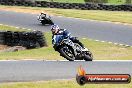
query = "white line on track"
x=69 y=61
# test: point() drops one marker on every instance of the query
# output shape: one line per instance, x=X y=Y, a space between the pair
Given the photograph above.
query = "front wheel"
x=67 y=53
x=88 y=56
x=43 y=22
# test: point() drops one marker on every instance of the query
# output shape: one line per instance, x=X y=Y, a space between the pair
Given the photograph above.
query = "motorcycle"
x=45 y=20
x=70 y=50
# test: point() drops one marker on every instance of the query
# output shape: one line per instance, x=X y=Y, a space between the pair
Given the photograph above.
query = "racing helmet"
x=42 y=12
x=55 y=27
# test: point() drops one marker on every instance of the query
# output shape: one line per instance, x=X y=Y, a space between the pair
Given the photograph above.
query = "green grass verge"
x=117 y=1
x=82 y=1
x=65 y=1
x=113 y=16
x=101 y=51
x=61 y=84
x=7 y=28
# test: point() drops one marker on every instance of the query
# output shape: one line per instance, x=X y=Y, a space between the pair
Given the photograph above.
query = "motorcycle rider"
x=45 y=17
x=57 y=31
x=42 y=15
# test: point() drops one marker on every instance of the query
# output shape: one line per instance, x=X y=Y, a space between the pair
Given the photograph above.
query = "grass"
x=42 y=53
x=65 y=1
x=7 y=28
x=113 y=16
x=61 y=84
x=82 y=1
x=117 y=1
x=101 y=51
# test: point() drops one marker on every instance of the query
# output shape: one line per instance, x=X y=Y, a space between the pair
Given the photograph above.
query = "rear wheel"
x=67 y=53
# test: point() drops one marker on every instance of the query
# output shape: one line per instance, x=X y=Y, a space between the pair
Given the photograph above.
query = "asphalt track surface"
x=14 y=71
x=104 y=31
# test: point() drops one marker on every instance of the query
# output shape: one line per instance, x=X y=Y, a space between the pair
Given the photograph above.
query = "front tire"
x=88 y=56
x=43 y=22
x=67 y=53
